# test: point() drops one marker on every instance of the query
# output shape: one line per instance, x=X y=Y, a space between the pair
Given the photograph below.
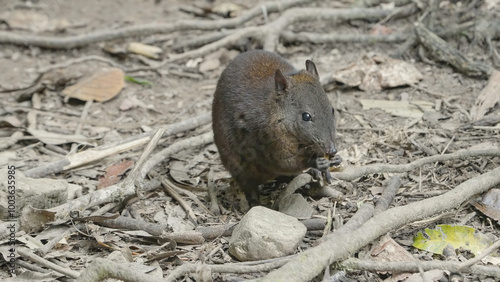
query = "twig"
x=212 y=193
x=352 y=173
x=196 y=141
x=388 y=195
x=142 y=30
x=125 y=189
x=170 y=190
x=107 y=150
x=79 y=60
x=318 y=38
x=410 y=266
x=444 y=52
x=310 y=263
x=101 y=269
x=68 y=272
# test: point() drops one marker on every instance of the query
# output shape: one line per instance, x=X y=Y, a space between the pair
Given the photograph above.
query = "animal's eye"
x=333 y=111
x=306 y=117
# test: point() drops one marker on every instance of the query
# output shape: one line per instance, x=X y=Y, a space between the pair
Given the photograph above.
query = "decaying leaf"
x=100 y=86
x=113 y=173
x=490 y=204
x=435 y=240
x=413 y=109
x=58 y=139
x=489 y=97
x=35 y=219
x=374 y=72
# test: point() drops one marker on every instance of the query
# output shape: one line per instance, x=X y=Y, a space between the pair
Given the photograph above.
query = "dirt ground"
x=32 y=105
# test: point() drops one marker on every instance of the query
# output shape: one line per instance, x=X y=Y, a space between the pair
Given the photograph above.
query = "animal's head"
x=306 y=111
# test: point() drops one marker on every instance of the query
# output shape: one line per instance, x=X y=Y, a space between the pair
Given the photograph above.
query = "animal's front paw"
x=322 y=163
x=335 y=161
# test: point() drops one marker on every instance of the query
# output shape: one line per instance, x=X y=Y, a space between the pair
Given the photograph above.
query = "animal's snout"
x=331 y=150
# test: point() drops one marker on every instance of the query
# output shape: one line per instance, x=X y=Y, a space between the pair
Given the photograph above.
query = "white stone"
x=264 y=233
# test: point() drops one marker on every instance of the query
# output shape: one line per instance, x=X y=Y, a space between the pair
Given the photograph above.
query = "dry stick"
x=101 y=269
x=68 y=272
x=446 y=53
x=310 y=263
x=269 y=34
x=388 y=195
x=352 y=173
x=319 y=38
x=452 y=266
x=273 y=30
x=142 y=30
x=363 y=214
x=80 y=60
x=125 y=189
x=196 y=141
x=169 y=189
x=107 y=150
x=189 y=194
x=212 y=193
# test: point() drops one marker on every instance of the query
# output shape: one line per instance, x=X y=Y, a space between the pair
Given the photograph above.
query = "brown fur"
x=257 y=119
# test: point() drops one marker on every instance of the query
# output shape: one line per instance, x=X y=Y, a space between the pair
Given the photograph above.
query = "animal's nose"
x=332 y=150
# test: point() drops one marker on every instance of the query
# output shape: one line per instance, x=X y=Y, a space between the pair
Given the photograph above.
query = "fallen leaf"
x=375 y=71
x=413 y=109
x=27 y=20
x=489 y=204
x=488 y=98
x=100 y=86
x=435 y=240
x=386 y=249
x=33 y=220
x=113 y=173
x=56 y=138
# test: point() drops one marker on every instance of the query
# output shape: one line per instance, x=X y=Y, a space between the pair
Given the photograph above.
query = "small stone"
x=295 y=205
x=265 y=234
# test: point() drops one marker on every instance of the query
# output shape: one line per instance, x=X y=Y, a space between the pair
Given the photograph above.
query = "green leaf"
x=138 y=81
x=435 y=240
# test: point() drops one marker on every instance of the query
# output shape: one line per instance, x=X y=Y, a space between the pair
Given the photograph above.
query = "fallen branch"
x=310 y=263
x=68 y=272
x=352 y=173
x=125 y=189
x=268 y=35
x=107 y=150
x=442 y=51
x=144 y=29
x=413 y=266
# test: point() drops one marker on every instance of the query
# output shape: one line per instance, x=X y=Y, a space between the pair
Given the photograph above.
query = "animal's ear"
x=311 y=68
x=280 y=81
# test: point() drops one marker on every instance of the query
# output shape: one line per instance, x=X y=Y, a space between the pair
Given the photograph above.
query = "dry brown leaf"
x=113 y=173
x=488 y=98
x=101 y=86
x=375 y=71
x=386 y=249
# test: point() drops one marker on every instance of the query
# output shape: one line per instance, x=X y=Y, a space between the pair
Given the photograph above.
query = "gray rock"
x=264 y=234
x=295 y=205
x=41 y=193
